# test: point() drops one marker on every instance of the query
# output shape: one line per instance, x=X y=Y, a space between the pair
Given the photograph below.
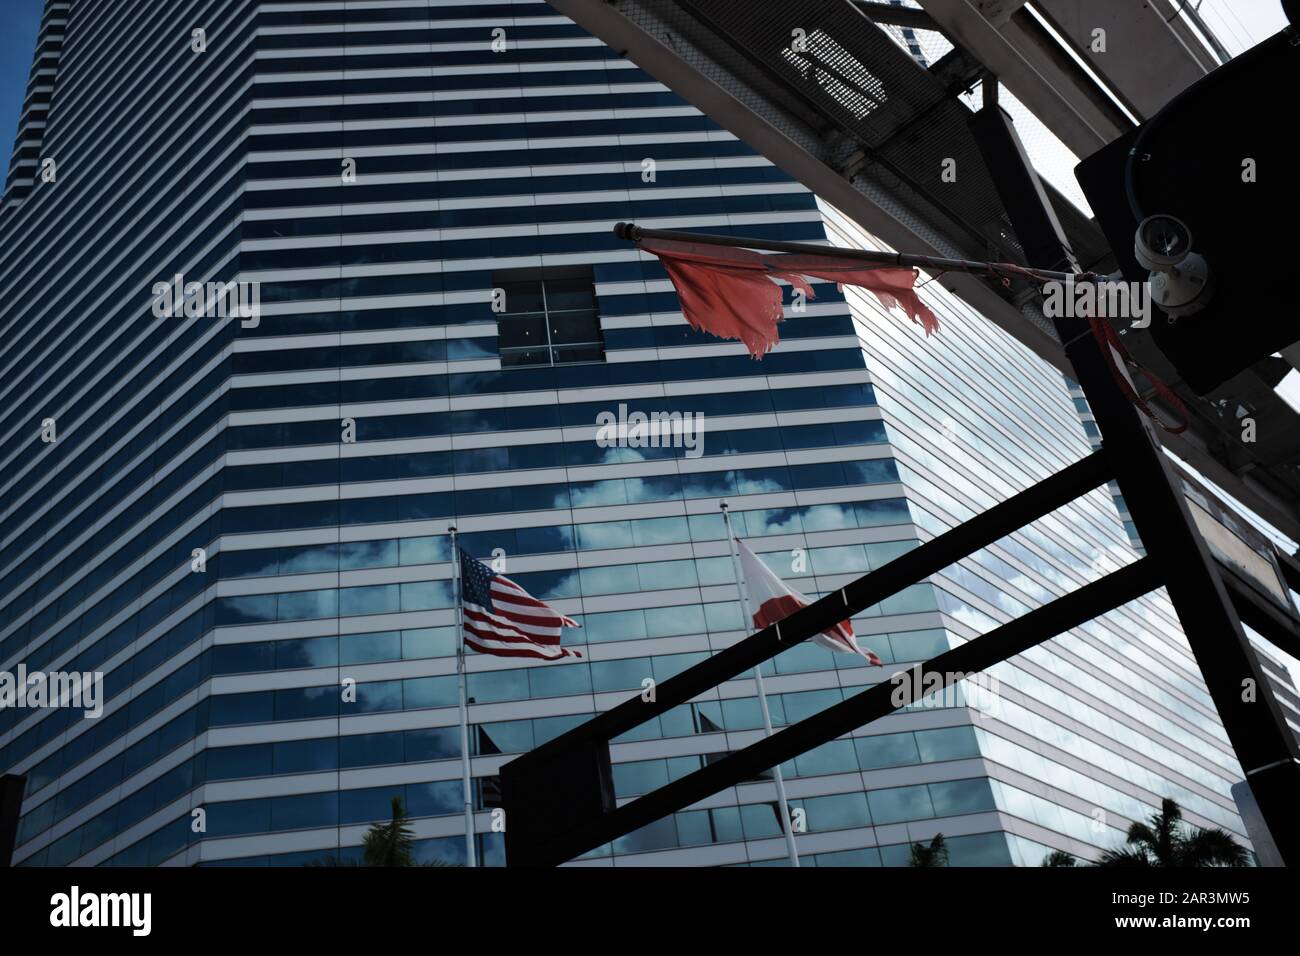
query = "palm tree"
x=1059 y=858
x=390 y=844
x=1166 y=841
x=385 y=844
x=936 y=854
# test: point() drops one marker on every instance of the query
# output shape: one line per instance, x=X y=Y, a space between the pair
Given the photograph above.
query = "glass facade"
x=424 y=193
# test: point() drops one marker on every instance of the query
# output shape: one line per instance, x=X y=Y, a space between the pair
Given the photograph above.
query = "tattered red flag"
x=773 y=600
x=732 y=293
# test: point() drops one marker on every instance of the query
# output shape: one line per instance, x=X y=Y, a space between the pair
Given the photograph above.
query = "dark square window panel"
x=519 y=332
x=570 y=354
x=550 y=318
x=572 y=328
x=523 y=297
x=565 y=294
x=525 y=357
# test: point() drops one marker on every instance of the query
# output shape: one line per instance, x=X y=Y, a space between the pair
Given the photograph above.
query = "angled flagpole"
x=635 y=233
x=470 y=856
x=786 y=826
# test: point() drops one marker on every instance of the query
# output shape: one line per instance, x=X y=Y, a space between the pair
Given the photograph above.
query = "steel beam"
x=1000 y=644
x=555 y=790
x=870 y=589
x=1237 y=684
x=890 y=15
x=1257 y=612
x=1232 y=673
x=1046 y=240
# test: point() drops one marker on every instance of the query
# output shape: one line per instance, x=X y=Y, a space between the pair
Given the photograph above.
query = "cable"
x=1112 y=349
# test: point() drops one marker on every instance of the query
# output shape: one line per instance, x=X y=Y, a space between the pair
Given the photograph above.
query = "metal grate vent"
x=834 y=65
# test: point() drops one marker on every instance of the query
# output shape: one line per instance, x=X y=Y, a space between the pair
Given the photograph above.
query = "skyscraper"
x=240 y=518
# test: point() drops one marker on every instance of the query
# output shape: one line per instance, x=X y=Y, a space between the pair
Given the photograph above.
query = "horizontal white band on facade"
x=416 y=22
x=468 y=123
x=685 y=352
x=648 y=190
x=434 y=69
x=539 y=144
x=396 y=49
x=425 y=333
x=306 y=100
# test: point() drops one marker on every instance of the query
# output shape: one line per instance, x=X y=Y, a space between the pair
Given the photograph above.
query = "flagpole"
x=635 y=233
x=786 y=825
x=467 y=789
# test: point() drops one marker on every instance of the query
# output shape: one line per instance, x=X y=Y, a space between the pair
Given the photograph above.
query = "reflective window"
x=899 y=804
x=549 y=319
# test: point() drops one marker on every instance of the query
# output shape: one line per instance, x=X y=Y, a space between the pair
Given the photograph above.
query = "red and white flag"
x=732 y=293
x=503 y=619
x=772 y=600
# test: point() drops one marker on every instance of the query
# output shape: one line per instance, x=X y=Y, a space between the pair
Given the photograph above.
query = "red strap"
x=1110 y=346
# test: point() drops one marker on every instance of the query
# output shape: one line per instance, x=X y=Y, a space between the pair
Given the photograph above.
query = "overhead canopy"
x=842 y=95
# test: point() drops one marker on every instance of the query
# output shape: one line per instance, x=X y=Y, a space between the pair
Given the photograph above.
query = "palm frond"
x=1125 y=857
x=1059 y=858
x=1166 y=827
x=1212 y=847
x=390 y=844
x=1142 y=836
x=936 y=854
x=1165 y=840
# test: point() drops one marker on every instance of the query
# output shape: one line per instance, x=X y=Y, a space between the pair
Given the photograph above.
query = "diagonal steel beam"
x=1257 y=612
x=1000 y=644
x=890 y=15
x=1157 y=504
x=870 y=589
x=560 y=787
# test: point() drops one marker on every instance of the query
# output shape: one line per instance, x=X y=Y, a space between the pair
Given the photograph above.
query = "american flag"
x=502 y=618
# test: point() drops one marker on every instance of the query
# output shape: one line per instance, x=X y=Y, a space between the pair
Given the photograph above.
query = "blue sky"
x=18 y=22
